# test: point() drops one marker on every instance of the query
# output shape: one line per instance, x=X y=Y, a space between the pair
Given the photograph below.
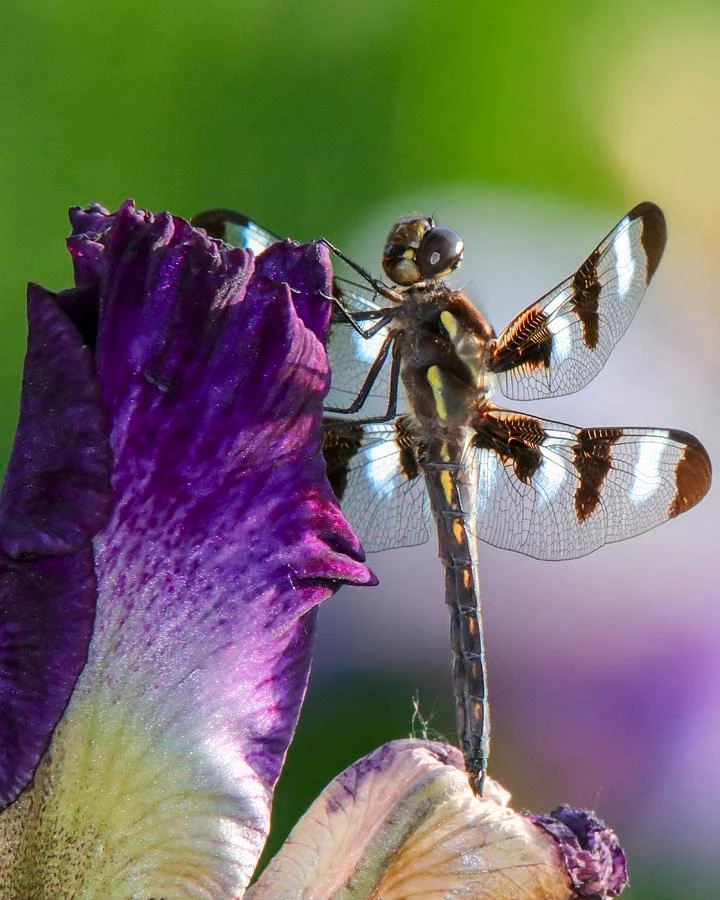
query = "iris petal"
x=403 y=822
x=223 y=538
x=55 y=497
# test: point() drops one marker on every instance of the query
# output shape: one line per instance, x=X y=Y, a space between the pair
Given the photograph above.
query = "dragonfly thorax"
x=417 y=250
x=443 y=343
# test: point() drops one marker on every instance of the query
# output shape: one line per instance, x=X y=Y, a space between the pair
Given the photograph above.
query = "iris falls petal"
x=55 y=497
x=222 y=539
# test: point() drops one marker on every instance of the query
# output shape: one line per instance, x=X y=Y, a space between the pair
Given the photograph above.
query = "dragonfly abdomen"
x=450 y=500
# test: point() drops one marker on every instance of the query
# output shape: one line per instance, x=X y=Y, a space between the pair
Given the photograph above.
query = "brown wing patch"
x=515 y=438
x=693 y=473
x=340 y=442
x=409 y=447
x=592 y=459
x=654 y=234
x=586 y=291
x=527 y=343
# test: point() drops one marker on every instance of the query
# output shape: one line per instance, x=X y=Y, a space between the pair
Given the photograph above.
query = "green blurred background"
x=322 y=118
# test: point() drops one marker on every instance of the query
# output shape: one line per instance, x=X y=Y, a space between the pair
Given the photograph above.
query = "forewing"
x=552 y=491
x=559 y=343
x=374 y=471
x=236 y=229
x=352 y=355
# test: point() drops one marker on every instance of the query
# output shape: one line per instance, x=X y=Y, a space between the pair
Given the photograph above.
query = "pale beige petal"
x=403 y=824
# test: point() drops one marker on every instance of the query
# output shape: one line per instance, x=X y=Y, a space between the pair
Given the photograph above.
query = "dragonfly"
x=439 y=450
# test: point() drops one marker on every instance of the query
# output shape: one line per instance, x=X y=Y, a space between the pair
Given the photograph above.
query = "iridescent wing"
x=235 y=229
x=559 y=343
x=373 y=470
x=552 y=491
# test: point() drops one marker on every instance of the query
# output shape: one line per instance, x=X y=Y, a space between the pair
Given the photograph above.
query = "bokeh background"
x=531 y=128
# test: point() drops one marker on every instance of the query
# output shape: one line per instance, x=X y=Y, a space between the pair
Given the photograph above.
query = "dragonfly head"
x=417 y=250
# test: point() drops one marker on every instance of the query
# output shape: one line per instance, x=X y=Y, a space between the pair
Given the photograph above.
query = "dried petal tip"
x=593 y=856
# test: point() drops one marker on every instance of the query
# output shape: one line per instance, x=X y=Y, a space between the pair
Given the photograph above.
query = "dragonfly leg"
x=391 y=410
x=370 y=380
x=380 y=318
x=376 y=285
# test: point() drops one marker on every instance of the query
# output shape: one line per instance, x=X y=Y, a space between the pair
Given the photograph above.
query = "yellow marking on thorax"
x=434 y=377
x=450 y=324
x=459 y=532
x=466 y=350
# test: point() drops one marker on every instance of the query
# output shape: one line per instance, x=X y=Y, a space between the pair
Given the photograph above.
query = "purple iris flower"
x=167 y=533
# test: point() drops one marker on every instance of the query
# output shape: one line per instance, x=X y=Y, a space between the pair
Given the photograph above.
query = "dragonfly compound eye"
x=401 y=247
x=440 y=252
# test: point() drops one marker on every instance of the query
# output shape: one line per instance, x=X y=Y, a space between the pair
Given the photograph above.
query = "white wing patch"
x=551 y=475
x=560 y=328
x=380 y=469
x=488 y=466
x=624 y=261
x=646 y=470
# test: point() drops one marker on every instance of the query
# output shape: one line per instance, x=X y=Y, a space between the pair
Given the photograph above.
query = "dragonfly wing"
x=236 y=229
x=373 y=469
x=552 y=491
x=559 y=343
